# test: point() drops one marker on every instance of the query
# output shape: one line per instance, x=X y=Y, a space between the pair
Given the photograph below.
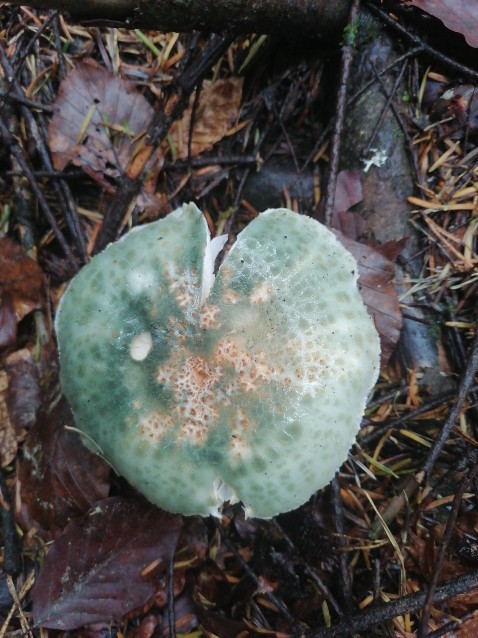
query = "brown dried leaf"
x=103 y=581
x=99 y=122
x=21 y=279
x=375 y=282
x=348 y=193
x=59 y=477
x=214 y=117
x=469 y=628
x=456 y=16
x=23 y=395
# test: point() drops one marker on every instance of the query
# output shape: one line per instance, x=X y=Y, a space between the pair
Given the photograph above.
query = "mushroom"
x=198 y=389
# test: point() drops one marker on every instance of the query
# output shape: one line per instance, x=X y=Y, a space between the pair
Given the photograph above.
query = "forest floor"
x=104 y=129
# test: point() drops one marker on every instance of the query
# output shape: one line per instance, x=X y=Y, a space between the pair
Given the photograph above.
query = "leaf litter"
x=239 y=577
x=108 y=577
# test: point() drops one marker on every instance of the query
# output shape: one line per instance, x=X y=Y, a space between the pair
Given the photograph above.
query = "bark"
x=296 y=19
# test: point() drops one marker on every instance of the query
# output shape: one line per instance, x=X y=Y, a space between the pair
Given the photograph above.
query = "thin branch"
x=345 y=67
x=463 y=390
x=371 y=618
x=18 y=154
x=304 y=19
x=458 y=68
x=440 y=558
x=132 y=181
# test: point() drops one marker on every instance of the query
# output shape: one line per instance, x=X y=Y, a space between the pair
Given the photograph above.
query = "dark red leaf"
x=59 y=477
x=457 y=16
x=21 y=279
x=348 y=191
x=93 y=573
x=391 y=249
x=376 y=274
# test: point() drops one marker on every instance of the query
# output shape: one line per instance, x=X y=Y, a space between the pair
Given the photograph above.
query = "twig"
x=463 y=390
x=60 y=187
x=440 y=558
x=275 y=600
x=171 y=611
x=308 y=570
x=338 y=514
x=411 y=603
x=413 y=482
x=387 y=104
x=20 y=99
x=58 y=47
x=131 y=181
x=345 y=67
x=211 y=160
x=461 y=69
x=398 y=117
x=18 y=154
x=423 y=409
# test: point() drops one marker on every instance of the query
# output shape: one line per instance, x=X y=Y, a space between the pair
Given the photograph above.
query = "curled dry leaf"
x=214 y=117
x=376 y=275
x=99 y=122
x=107 y=578
x=456 y=16
x=59 y=477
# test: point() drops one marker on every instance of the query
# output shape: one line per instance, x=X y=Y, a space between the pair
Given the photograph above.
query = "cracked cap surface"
x=249 y=387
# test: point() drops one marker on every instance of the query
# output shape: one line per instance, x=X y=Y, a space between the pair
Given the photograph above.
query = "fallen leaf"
x=23 y=394
x=458 y=104
x=348 y=193
x=456 y=16
x=59 y=477
x=21 y=282
x=99 y=123
x=468 y=628
x=93 y=572
x=214 y=117
x=376 y=274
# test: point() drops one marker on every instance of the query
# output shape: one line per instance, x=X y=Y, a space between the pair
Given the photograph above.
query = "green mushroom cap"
x=246 y=386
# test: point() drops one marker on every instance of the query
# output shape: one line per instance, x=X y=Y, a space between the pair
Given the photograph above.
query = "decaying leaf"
x=23 y=395
x=99 y=122
x=348 y=193
x=214 y=117
x=21 y=288
x=376 y=274
x=456 y=16
x=96 y=571
x=59 y=477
